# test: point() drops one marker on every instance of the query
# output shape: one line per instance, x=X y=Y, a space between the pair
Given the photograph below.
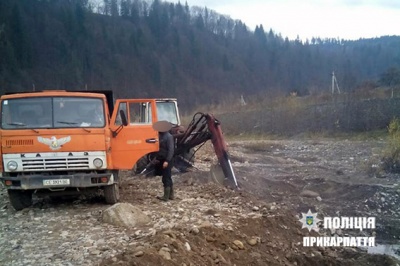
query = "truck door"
x=138 y=138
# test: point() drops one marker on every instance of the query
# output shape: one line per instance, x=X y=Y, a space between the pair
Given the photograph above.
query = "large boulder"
x=126 y=215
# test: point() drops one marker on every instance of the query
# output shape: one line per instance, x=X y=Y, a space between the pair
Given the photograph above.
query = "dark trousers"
x=166 y=173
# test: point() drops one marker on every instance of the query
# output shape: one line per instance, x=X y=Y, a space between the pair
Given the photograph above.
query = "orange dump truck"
x=57 y=143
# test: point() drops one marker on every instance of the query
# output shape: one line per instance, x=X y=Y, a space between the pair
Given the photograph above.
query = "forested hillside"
x=160 y=49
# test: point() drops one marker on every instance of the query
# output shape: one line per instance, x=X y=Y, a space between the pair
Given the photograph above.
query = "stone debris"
x=165 y=253
x=237 y=244
x=309 y=194
x=87 y=232
x=124 y=214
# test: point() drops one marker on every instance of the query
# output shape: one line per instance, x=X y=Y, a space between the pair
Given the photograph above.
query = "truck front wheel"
x=20 y=199
x=111 y=193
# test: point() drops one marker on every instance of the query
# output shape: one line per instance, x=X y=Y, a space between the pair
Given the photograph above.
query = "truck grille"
x=36 y=164
x=19 y=142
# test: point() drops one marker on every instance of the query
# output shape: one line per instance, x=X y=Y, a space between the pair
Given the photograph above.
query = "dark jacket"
x=167 y=147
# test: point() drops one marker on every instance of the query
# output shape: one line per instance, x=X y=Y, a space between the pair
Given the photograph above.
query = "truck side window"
x=139 y=113
x=118 y=120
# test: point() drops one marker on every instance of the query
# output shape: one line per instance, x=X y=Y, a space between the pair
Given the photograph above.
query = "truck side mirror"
x=123 y=117
x=124 y=123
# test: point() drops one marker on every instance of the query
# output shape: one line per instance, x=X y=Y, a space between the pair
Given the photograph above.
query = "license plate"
x=56 y=182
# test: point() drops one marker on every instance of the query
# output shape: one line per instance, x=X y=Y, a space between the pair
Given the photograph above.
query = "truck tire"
x=190 y=156
x=140 y=165
x=20 y=199
x=111 y=193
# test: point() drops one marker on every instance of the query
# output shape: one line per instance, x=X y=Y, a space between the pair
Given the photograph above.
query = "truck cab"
x=66 y=143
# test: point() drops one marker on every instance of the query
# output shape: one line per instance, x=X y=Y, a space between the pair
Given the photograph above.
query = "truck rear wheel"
x=140 y=165
x=111 y=193
x=20 y=199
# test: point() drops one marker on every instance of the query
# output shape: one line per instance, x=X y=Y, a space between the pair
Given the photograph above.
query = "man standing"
x=164 y=157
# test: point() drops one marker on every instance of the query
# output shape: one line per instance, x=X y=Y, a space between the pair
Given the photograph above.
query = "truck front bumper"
x=25 y=182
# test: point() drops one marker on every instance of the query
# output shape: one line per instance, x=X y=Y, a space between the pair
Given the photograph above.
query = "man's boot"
x=167 y=192
x=171 y=194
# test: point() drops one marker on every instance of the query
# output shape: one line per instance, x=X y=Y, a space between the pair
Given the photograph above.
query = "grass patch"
x=322 y=135
x=263 y=146
x=391 y=157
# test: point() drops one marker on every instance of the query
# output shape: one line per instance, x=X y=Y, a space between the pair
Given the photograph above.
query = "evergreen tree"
x=125 y=8
x=114 y=9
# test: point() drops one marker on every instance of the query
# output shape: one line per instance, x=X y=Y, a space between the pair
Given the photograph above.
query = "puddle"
x=392 y=250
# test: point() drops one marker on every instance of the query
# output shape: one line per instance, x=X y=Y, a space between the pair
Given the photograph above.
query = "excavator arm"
x=202 y=128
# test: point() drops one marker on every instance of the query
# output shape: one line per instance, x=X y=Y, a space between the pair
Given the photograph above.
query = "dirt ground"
x=278 y=181
x=208 y=224
x=343 y=173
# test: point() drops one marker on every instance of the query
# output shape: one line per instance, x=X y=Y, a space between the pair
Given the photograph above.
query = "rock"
x=222 y=259
x=210 y=212
x=125 y=215
x=153 y=193
x=255 y=255
x=152 y=231
x=309 y=194
x=209 y=239
x=255 y=208
x=187 y=246
x=238 y=244
x=165 y=253
x=170 y=234
x=76 y=257
x=194 y=230
x=219 y=225
x=175 y=244
x=252 y=241
x=339 y=172
x=205 y=224
x=138 y=253
x=319 y=198
x=95 y=252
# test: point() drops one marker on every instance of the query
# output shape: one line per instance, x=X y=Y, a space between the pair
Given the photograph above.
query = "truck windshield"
x=167 y=111
x=52 y=112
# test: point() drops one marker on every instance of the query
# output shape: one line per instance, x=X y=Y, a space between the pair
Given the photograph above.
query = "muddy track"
x=338 y=171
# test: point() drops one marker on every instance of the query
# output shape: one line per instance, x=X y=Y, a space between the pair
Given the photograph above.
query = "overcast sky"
x=344 y=19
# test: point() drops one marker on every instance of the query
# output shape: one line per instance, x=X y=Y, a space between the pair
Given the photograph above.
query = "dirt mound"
x=260 y=241
x=210 y=225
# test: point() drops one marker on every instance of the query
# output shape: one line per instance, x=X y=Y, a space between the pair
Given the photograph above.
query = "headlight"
x=12 y=165
x=98 y=163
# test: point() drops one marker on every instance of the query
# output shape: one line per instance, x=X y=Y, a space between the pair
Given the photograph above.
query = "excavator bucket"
x=221 y=150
